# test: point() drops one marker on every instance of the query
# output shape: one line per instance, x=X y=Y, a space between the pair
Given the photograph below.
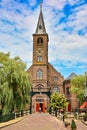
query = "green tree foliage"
x=58 y=101
x=78 y=86
x=14 y=84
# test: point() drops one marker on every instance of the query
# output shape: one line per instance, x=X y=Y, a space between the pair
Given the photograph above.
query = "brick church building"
x=45 y=78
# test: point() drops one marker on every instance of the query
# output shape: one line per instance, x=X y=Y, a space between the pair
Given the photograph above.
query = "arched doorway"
x=39 y=97
x=40 y=104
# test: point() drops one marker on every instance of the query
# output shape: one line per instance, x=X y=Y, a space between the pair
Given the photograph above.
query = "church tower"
x=44 y=77
x=40 y=42
x=40 y=53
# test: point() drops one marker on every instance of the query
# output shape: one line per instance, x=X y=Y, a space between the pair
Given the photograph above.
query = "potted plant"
x=73 y=125
x=85 y=117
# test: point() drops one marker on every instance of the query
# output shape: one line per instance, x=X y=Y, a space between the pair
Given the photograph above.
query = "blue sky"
x=66 y=25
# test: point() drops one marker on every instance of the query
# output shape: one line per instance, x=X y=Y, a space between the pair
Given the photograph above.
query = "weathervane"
x=41 y=1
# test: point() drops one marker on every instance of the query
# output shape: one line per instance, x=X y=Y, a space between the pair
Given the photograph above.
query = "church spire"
x=40 y=25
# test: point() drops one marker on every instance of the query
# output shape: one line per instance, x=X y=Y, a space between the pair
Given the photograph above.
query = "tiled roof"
x=72 y=75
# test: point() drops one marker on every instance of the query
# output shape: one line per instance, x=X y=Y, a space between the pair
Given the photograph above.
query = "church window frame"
x=39 y=99
x=67 y=91
x=56 y=89
x=39 y=58
x=39 y=74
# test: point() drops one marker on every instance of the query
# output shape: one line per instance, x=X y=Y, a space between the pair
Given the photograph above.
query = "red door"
x=69 y=107
x=40 y=105
x=43 y=107
x=37 y=107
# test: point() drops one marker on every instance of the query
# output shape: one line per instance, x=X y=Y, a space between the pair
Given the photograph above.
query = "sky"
x=66 y=25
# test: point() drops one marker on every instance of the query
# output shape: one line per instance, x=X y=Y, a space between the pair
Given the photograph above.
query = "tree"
x=78 y=86
x=58 y=101
x=14 y=84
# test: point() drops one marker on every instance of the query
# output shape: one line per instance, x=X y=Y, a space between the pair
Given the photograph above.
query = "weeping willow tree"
x=14 y=84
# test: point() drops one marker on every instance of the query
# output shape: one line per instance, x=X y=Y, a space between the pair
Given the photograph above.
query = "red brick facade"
x=49 y=78
x=43 y=75
x=73 y=101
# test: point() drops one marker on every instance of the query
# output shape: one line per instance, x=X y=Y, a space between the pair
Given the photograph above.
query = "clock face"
x=39 y=51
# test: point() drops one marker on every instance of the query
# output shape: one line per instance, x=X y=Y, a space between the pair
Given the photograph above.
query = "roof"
x=72 y=75
x=40 y=29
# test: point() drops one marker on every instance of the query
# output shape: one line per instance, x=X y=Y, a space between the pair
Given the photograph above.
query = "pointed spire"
x=40 y=25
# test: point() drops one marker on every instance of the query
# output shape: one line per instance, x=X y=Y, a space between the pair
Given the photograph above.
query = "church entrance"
x=38 y=101
x=40 y=106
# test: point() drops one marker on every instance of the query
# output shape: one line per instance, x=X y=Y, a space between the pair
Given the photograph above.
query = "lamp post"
x=31 y=102
x=85 y=94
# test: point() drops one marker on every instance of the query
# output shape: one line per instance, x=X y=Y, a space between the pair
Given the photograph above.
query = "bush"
x=85 y=117
x=73 y=125
x=65 y=115
x=4 y=118
x=67 y=124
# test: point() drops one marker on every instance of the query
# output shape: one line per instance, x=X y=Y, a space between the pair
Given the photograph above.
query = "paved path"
x=81 y=126
x=41 y=122
x=37 y=122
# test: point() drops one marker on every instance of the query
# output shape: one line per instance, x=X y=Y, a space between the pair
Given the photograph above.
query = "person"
x=40 y=109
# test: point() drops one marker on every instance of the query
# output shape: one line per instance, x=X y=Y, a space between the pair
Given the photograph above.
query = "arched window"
x=40 y=41
x=39 y=99
x=39 y=74
x=67 y=91
x=55 y=89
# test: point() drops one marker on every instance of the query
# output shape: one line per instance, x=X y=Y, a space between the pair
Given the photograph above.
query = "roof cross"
x=41 y=1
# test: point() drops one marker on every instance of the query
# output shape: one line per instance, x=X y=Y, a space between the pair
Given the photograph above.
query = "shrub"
x=73 y=125
x=67 y=124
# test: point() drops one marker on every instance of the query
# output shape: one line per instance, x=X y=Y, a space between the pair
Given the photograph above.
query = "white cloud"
x=77 y=20
x=72 y=48
x=67 y=46
x=72 y=2
x=32 y=2
x=57 y=4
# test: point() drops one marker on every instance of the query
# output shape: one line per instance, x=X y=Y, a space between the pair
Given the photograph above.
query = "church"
x=44 y=77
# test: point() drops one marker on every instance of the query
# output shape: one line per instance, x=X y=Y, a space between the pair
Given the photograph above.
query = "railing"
x=4 y=118
x=71 y=115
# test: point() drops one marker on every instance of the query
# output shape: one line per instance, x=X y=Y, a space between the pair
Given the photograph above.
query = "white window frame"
x=39 y=74
x=39 y=58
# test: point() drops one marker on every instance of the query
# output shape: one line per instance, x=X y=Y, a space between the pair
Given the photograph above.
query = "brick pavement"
x=37 y=121
x=42 y=121
x=80 y=125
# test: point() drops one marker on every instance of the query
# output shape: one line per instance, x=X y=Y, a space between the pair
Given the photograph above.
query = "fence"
x=4 y=118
